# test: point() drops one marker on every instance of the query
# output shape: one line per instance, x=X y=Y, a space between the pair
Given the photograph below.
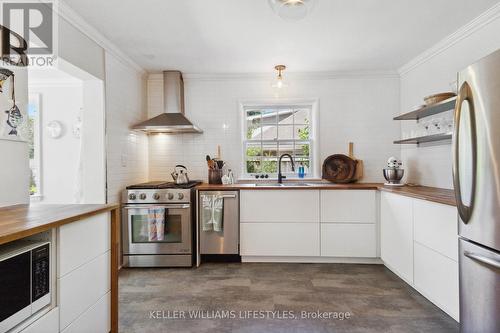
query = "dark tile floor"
x=375 y=298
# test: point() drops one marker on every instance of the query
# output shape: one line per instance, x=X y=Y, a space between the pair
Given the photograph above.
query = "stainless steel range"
x=157 y=224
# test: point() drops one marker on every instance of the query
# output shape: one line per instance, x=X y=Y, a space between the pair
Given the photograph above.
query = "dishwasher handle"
x=228 y=196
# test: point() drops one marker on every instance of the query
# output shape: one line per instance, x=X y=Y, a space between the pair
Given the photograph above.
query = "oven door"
x=136 y=223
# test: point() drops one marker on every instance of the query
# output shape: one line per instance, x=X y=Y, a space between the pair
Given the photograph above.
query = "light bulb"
x=279 y=82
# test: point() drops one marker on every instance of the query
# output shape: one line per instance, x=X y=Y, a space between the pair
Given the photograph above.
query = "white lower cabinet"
x=48 y=323
x=82 y=241
x=279 y=206
x=308 y=223
x=81 y=288
x=419 y=243
x=348 y=206
x=348 y=240
x=436 y=277
x=396 y=234
x=96 y=319
x=279 y=239
x=84 y=275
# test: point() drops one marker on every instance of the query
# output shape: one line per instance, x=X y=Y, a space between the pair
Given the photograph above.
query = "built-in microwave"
x=25 y=286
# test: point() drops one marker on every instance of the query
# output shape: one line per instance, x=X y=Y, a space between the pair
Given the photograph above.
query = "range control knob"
x=156 y=196
x=142 y=196
x=170 y=196
x=180 y=196
x=132 y=196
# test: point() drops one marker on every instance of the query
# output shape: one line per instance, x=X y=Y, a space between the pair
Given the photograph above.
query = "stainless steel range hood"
x=172 y=120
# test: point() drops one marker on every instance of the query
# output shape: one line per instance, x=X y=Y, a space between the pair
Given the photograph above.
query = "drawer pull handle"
x=485 y=260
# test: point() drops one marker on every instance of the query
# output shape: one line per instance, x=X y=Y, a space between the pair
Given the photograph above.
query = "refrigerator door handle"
x=464 y=95
x=482 y=259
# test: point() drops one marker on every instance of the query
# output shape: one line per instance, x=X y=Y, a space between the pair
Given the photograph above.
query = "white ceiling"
x=245 y=36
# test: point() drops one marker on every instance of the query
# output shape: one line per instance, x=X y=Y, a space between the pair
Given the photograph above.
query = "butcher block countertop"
x=272 y=186
x=434 y=194
x=21 y=221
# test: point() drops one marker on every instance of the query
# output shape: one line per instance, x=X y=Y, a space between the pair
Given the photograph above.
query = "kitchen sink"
x=283 y=184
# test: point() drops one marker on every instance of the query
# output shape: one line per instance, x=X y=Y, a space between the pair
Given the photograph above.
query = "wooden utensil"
x=339 y=168
x=359 y=163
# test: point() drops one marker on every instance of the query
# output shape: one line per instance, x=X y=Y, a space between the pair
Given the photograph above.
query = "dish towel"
x=156 y=224
x=212 y=212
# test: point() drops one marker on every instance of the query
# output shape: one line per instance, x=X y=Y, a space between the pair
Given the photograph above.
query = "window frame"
x=311 y=104
x=35 y=98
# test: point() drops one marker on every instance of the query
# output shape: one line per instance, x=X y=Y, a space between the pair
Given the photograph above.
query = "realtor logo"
x=28 y=32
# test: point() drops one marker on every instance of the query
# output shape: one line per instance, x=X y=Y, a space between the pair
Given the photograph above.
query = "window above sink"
x=272 y=129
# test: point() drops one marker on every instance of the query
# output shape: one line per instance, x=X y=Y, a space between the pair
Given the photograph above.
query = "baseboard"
x=312 y=260
x=220 y=258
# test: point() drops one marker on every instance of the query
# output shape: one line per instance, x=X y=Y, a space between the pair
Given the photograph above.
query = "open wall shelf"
x=430 y=110
x=427 y=138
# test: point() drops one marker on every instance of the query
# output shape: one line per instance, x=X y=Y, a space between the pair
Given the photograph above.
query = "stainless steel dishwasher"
x=223 y=245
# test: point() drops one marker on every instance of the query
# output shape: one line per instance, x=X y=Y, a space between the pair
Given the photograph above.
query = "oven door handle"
x=174 y=206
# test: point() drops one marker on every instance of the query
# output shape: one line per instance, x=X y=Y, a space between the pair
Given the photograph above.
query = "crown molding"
x=69 y=14
x=476 y=24
x=328 y=75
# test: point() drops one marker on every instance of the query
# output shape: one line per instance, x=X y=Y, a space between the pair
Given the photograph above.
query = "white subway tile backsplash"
x=127 y=151
x=358 y=110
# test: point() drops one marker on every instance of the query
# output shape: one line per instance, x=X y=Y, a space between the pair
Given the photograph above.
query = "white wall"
x=127 y=152
x=60 y=101
x=14 y=164
x=433 y=72
x=352 y=107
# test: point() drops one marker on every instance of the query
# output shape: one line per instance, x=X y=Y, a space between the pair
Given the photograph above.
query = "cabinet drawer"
x=82 y=241
x=353 y=206
x=279 y=239
x=97 y=319
x=348 y=240
x=436 y=276
x=279 y=206
x=82 y=288
x=48 y=323
x=436 y=226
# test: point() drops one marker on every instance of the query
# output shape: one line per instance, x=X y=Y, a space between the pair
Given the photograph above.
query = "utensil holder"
x=215 y=176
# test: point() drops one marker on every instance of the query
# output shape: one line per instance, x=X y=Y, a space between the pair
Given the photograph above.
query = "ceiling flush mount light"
x=292 y=10
x=279 y=82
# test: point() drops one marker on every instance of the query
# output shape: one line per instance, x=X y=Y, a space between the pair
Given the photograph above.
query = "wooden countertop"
x=21 y=221
x=434 y=194
x=315 y=185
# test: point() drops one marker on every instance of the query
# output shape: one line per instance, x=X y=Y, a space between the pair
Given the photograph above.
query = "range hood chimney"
x=172 y=120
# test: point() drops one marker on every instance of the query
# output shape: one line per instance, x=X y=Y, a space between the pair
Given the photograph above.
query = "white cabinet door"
x=348 y=240
x=279 y=239
x=436 y=277
x=352 y=206
x=82 y=288
x=79 y=242
x=97 y=319
x=436 y=226
x=396 y=234
x=279 y=206
x=48 y=323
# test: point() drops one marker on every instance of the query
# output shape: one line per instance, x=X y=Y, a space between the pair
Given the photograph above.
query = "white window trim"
x=313 y=103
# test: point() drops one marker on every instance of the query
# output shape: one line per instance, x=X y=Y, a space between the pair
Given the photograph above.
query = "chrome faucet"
x=280 y=176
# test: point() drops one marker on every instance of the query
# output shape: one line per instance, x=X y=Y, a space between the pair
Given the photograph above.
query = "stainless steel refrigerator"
x=476 y=177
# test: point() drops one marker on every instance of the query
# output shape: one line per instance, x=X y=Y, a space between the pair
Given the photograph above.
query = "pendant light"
x=279 y=82
x=292 y=10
